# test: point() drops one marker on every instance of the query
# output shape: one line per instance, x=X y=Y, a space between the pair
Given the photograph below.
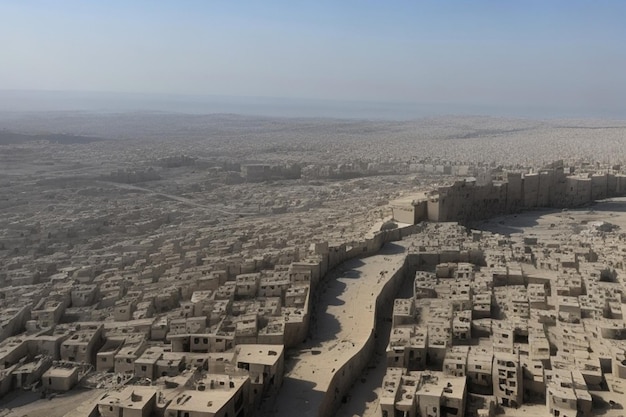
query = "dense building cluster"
x=500 y=321
x=160 y=315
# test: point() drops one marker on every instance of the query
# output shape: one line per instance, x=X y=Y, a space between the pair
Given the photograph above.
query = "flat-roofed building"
x=146 y=364
x=134 y=346
x=246 y=329
x=215 y=396
x=455 y=362
x=568 y=309
x=507 y=379
x=61 y=377
x=247 y=285
x=424 y=285
x=84 y=343
x=407 y=400
x=265 y=364
x=537 y=296
x=441 y=395
x=439 y=340
x=27 y=374
x=479 y=370
x=397 y=353
x=12 y=350
x=105 y=358
x=403 y=312
x=170 y=364
x=131 y=401
x=567 y=394
x=390 y=391
x=462 y=327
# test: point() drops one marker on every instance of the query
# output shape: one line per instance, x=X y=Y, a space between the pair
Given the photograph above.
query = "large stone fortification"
x=552 y=187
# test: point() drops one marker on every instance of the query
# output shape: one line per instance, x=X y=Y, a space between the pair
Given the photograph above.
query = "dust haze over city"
x=272 y=209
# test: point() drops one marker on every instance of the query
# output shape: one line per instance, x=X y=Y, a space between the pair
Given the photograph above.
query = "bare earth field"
x=558 y=223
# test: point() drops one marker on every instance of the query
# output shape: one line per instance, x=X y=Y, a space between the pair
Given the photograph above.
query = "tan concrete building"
x=507 y=379
x=215 y=396
x=60 y=377
x=132 y=401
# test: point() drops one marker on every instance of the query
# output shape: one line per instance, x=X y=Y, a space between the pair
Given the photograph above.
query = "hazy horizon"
x=19 y=101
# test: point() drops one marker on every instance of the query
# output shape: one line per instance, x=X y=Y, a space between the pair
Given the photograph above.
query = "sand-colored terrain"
x=548 y=224
x=72 y=404
x=339 y=330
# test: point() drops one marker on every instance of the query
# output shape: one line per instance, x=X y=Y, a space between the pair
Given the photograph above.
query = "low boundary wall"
x=345 y=376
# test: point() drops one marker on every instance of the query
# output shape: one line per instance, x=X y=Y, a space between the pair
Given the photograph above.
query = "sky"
x=540 y=54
